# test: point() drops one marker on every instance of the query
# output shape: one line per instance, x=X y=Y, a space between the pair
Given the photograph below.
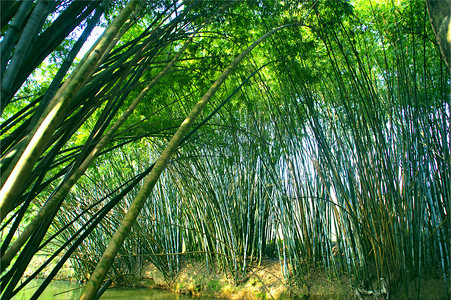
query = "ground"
x=263 y=281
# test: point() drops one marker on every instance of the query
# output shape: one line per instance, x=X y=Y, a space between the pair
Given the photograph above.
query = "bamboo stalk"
x=65 y=95
x=116 y=242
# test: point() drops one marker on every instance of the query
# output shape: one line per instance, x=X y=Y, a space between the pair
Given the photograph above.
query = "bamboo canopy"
x=311 y=132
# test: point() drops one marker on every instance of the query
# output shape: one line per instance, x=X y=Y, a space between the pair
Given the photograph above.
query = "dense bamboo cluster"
x=313 y=132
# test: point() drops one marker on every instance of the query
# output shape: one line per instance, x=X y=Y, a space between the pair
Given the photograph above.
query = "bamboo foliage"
x=342 y=190
x=121 y=233
x=327 y=147
x=55 y=200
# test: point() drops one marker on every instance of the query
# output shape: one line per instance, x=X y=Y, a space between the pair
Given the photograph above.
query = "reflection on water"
x=60 y=289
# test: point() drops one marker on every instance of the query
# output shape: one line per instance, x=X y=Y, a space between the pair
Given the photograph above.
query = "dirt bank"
x=263 y=281
x=266 y=281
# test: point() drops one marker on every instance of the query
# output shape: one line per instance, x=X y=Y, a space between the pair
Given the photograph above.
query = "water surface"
x=68 y=290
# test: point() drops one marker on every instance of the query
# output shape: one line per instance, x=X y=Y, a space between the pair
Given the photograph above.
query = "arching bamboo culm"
x=121 y=233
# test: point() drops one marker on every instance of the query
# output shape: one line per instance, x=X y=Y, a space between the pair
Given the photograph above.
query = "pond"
x=68 y=290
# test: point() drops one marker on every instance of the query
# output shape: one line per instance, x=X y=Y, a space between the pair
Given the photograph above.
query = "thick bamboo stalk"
x=11 y=188
x=121 y=233
x=59 y=196
x=24 y=43
x=11 y=35
x=8 y=162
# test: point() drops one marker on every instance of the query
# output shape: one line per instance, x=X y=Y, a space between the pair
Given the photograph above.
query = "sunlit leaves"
x=340 y=134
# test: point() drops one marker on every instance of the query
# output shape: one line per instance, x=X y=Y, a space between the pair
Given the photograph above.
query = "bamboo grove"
x=314 y=132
